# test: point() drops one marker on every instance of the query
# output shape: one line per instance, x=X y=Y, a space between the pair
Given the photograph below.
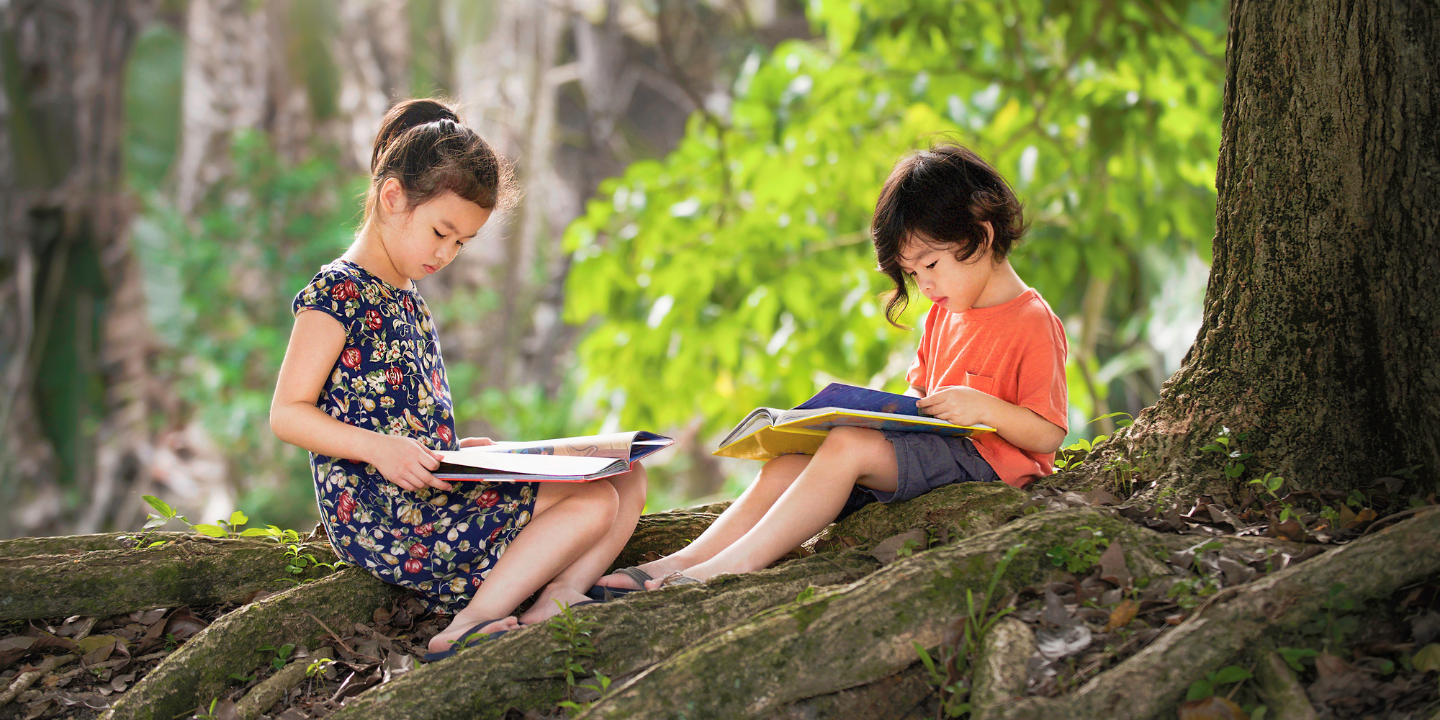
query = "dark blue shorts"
x=925 y=462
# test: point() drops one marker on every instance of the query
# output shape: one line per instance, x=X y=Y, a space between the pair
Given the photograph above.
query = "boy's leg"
x=849 y=456
x=774 y=478
x=568 y=519
x=572 y=582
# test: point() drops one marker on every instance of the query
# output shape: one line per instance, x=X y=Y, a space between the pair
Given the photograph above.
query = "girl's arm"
x=1019 y=426
x=315 y=344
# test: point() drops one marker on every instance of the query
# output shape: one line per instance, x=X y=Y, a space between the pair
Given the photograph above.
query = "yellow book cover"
x=768 y=433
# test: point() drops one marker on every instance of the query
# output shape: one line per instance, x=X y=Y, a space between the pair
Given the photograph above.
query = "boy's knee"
x=850 y=439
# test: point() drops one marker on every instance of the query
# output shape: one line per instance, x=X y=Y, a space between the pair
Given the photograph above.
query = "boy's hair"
x=940 y=197
x=423 y=144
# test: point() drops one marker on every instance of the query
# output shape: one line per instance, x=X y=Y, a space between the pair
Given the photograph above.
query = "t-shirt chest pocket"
x=983 y=383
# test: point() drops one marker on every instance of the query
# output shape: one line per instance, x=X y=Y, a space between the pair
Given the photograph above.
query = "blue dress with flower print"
x=390 y=379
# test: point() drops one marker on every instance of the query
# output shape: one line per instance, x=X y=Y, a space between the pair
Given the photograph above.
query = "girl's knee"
x=632 y=485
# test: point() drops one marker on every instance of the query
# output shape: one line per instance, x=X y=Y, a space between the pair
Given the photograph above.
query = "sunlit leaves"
x=738 y=270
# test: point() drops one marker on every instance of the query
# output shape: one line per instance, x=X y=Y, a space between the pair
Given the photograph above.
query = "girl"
x=363 y=389
x=991 y=352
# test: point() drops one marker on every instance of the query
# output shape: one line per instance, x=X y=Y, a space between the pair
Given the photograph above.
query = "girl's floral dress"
x=390 y=379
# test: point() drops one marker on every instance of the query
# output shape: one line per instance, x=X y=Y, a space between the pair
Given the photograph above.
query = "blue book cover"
x=850 y=397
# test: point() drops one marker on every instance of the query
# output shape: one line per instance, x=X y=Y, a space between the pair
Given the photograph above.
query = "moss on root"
x=188 y=570
x=200 y=669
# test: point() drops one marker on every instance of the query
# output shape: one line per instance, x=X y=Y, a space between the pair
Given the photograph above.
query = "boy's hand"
x=958 y=405
x=475 y=442
x=406 y=462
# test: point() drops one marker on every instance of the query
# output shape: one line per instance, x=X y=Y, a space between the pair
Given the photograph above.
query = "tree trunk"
x=73 y=338
x=1321 y=334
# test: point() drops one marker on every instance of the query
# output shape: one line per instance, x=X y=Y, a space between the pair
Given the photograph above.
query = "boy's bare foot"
x=545 y=607
x=466 y=625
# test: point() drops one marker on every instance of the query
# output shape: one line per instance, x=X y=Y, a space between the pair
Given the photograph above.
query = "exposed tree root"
x=188 y=570
x=1284 y=696
x=71 y=544
x=853 y=635
x=264 y=696
x=200 y=669
x=1000 y=672
x=953 y=511
x=523 y=669
x=906 y=695
x=1148 y=686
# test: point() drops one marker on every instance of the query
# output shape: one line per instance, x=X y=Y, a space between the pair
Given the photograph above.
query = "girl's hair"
x=423 y=144
x=940 y=197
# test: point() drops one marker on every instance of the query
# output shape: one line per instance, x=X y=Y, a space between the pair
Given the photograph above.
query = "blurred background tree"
x=692 y=241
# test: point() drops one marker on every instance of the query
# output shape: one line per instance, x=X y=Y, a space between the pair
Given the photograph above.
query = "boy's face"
x=953 y=285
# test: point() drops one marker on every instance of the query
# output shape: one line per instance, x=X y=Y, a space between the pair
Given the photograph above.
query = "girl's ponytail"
x=423 y=144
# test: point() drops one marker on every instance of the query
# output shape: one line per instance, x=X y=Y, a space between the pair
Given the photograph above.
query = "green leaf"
x=256 y=532
x=238 y=518
x=160 y=506
x=1230 y=674
x=1427 y=658
x=1199 y=690
x=210 y=530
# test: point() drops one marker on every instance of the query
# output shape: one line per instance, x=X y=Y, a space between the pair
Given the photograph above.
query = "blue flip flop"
x=604 y=593
x=467 y=639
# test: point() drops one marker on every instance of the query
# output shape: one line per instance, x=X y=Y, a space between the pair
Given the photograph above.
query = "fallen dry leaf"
x=1112 y=566
x=1327 y=665
x=1211 y=708
x=1122 y=615
x=183 y=624
x=1428 y=658
x=889 y=550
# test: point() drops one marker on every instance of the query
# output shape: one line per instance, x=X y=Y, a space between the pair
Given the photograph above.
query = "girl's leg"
x=566 y=521
x=773 y=480
x=572 y=582
x=849 y=456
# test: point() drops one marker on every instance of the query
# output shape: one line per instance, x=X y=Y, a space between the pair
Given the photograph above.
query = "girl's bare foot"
x=545 y=607
x=463 y=624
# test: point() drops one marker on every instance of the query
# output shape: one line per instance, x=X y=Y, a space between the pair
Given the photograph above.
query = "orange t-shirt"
x=1014 y=351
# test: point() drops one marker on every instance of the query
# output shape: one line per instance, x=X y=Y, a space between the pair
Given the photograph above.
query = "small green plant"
x=297 y=562
x=1294 y=656
x=806 y=594
x=1229 y=446
x=237 y=677
x=1271 y=484
x=1228 y=675
x=318 y=667
x=955 y=659
x=1340 y=619
x=208 y=714
x=1081 y=554
x=282 y=654
x=1190 y=592
x=573 y=634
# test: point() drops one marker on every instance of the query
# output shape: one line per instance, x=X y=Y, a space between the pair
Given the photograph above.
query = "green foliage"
x=1081 y=554
x=152 y=106
x=738 y=272
x=281 y=654
x=219 y=290
x=1228 y=675
x=573 y=634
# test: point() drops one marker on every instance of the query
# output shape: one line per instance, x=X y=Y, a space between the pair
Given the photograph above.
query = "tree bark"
x=1321 y=333
x=184 y=571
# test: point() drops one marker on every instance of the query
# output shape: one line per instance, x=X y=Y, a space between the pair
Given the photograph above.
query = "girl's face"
x=953 y=285
x=427 y=238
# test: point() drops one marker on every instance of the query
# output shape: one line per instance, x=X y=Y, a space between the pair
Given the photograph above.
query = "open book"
x=577 y=459
x=767 y=433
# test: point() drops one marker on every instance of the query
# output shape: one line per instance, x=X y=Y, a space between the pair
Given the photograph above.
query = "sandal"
x=469 y=638
x=605 y=593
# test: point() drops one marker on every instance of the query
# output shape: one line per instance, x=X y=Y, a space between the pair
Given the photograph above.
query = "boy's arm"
x=315 y=344
x=1019 y=426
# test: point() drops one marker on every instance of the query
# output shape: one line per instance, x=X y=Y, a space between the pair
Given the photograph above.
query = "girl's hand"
x=958 y=405
x=406 y=462
x=475 y=442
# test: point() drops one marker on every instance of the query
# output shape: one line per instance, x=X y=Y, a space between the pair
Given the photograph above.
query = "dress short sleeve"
x=332 y=291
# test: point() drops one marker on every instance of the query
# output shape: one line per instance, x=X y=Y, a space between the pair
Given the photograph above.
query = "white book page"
x=528 y=464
